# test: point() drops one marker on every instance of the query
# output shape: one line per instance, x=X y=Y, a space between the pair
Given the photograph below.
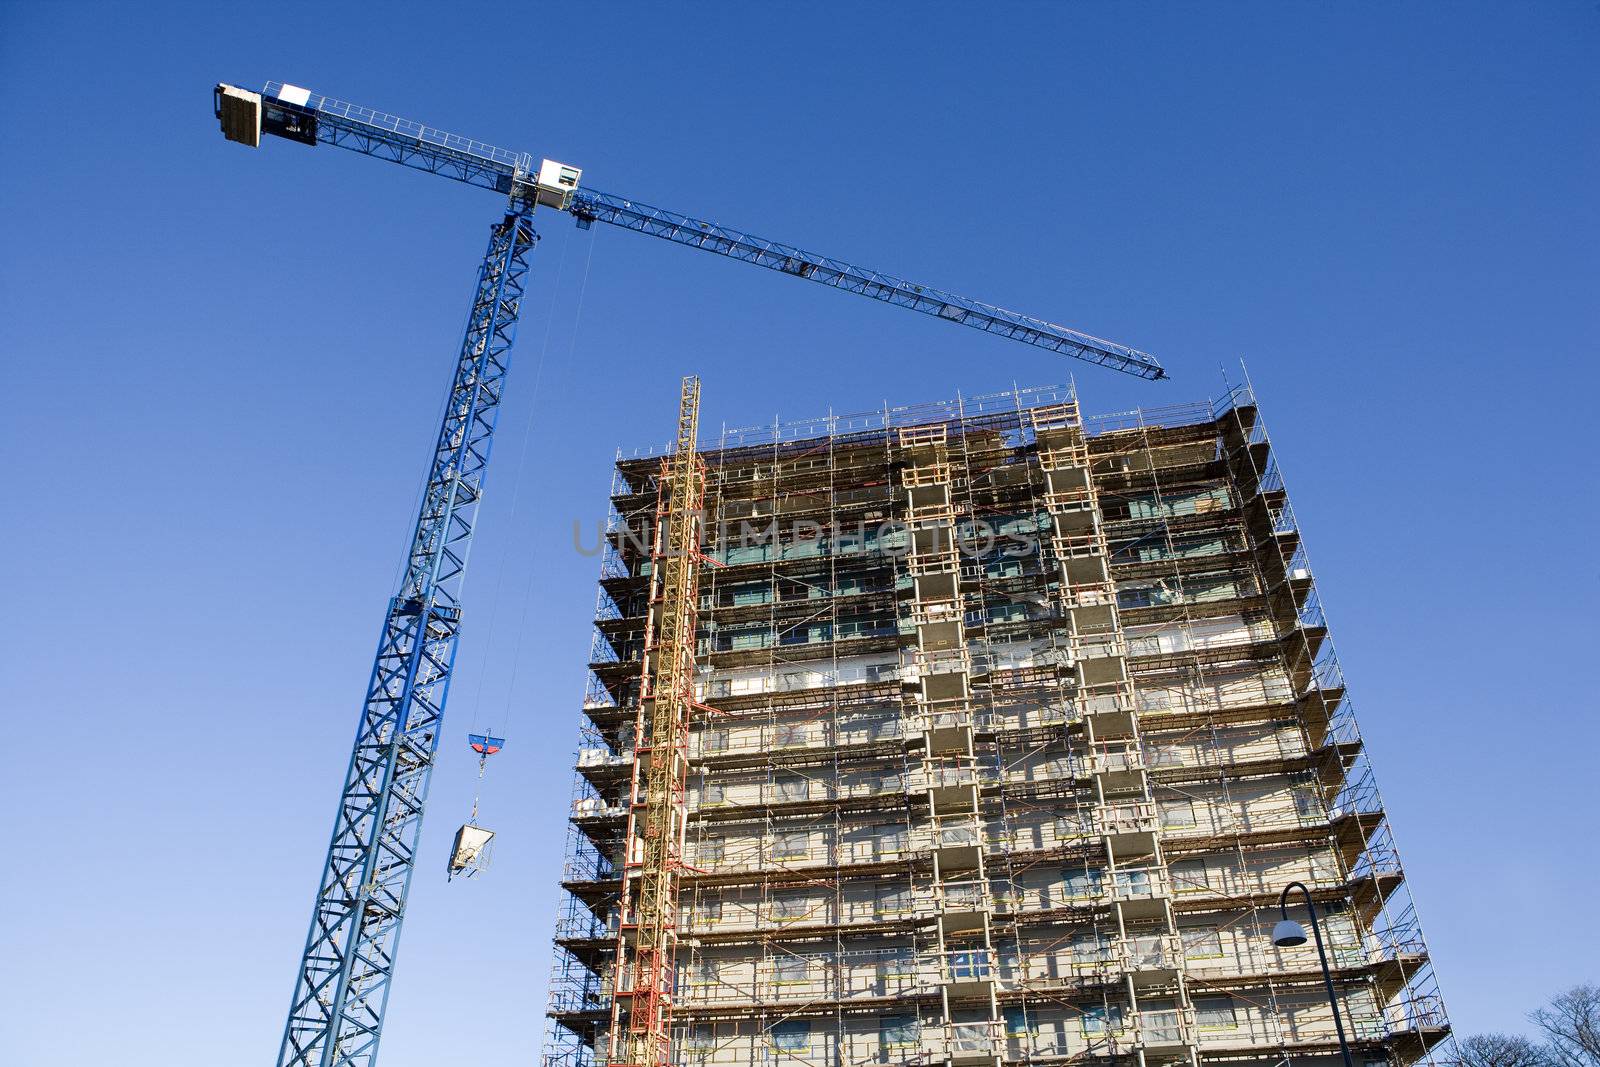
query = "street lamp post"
x=1289 y=934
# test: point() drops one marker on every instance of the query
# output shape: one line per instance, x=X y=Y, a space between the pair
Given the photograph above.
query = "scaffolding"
x=1007 y=726
x=644 y=978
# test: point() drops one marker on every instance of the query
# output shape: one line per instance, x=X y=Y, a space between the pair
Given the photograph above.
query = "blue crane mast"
x=347 y=967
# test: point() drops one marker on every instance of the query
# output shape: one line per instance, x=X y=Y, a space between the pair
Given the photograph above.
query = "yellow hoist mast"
x=641 y=1007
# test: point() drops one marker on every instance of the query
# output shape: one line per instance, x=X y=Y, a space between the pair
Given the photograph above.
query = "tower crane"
x=347 y=966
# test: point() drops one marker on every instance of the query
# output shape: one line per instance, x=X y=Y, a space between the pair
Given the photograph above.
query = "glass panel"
x=1215 y=1013
x=1202 y=943
x=897 y=1031
x=793 y=1036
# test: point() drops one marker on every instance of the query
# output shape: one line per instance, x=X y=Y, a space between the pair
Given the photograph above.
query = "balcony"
x=1152 y=959
x=967 y=1044
x=1160 y=1031
x=1129 y=829
x=1119 y=765
x=1108 y=715
x=600 y=757
x=952 y=790
x=940 y=679
x=595 y=809
x=958 y=846
x=962 y=906
x=968 y=973
x=947 y=732
x=1140 y=893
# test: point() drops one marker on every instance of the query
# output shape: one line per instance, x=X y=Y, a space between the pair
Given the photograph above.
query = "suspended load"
x=472 y=851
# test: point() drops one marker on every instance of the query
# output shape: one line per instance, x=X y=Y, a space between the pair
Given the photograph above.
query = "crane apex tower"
x=1007 y=727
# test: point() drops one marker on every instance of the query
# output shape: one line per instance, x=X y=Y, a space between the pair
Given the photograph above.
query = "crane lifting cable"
x=471 y=852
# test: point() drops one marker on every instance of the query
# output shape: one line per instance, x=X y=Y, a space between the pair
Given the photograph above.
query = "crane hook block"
x=484 y=745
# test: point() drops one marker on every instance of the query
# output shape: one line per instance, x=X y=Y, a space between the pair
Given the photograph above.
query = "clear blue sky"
x=223 y=367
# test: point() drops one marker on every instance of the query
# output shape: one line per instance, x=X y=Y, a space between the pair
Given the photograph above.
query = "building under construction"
x=972 y=733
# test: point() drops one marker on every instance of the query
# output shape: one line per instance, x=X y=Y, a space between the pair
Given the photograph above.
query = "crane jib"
x=590 y=205
x=301 y=115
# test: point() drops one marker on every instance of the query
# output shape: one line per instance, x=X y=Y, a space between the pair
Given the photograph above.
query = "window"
x=1324 y=867
x=790 y=735
x=897 y=1031
x=792 y=787
x=882 y=727
x=803 y=635
x=890 y=901
x=1081 y=884
x=714 y=740
x=1144 y=645
x=1100 y=1018
x=747 y=637
x=1069 y=828
x=1190 y=876
x=792 y=1036
x=1307 y=801
x=1215 y=587
x=792 y=845
x=1133 y=883
x=1017 y=1023
x=791 y=970
x=1177 y=813
x=702 y=1038
x=1202 y=943
x=896 y=969
x=1005 y=612
x=971 y=1038
x=706 y=973
x=710 y=910
x=1215 y=1013
x=1164 y=755
x=968 y=964
x=1090 y=948
x=788 y=907
x=889 y=840
x=1197 y=501
x=711 y=794
x=1002 y=568
x=712 y=850
x=1135 y=597
x=901 y=961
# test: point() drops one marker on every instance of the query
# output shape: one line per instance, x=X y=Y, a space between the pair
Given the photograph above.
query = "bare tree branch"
x=1502 y=1050
x=1571 y=1024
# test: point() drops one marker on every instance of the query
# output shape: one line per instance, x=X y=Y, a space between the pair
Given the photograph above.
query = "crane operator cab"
x=245 y=115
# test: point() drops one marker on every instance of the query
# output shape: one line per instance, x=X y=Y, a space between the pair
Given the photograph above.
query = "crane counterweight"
x=239 y=111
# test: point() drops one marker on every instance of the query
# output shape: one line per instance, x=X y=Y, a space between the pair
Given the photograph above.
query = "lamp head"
x=1288 y=934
